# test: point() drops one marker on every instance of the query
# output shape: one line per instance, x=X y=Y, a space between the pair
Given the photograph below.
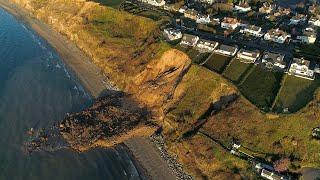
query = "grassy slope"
x=197 y=90
x=110 y=3
x=217 y=63
x=296 y=93
x=261 y=87
x=287 y=136
x=236 y=70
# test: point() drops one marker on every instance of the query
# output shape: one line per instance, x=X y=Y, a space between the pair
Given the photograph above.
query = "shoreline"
x=86 y=72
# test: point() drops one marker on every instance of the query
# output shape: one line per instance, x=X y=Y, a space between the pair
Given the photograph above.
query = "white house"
x=189 y=40
x=315 y=20
x=154 y=2
x=226 y=50
x=203 y=19
x=247 y=56
x=183 y=9
x=298 y=19
x=308 y=36
x=230 y=23
x=252 y=30
x=172 y=34
x=273 y=60
x=276 y=35
x=271 y=175
x=206 y=46
x=301 y=68
x=242 y=7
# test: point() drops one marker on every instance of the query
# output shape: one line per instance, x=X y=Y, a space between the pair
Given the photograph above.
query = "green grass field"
x=236 y=70
x=261 y=87
x=296 y=93
x=194 y=54
x=217 y=63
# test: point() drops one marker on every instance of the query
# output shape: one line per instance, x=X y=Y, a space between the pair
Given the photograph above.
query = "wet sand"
x=89 y=75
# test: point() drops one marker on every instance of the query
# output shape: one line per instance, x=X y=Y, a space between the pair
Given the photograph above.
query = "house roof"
x=253 y=27
x=207 y=43
x=273 y=58
x=188 y=37
x=253 y=54
x=228 y=48
x=277 y=33
x=191 y=12
x=299 y=17
x=243 y=5
x=301 y=62
x=230 y=20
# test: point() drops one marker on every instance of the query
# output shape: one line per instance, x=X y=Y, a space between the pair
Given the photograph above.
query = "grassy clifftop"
x=129 y=52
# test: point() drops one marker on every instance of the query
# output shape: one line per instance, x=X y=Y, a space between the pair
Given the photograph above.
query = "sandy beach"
x=89 y=75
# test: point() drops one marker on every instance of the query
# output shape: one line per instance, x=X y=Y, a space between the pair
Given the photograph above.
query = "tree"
x=281 y=165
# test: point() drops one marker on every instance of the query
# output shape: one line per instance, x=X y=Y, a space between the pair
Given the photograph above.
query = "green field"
x=236 y=70
x=295 y=93
x=261 y=87
x=111 y=3
x=193 y=54
x=217 y=63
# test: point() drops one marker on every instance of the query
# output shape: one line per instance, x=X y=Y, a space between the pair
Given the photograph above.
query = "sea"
x=37 y=90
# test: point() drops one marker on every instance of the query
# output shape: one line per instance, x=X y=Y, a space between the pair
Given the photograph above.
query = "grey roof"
x=274 y=58
x=188 y=37
x=301 y=62
x=248 y=53
x=253 y=27
x=227 y=48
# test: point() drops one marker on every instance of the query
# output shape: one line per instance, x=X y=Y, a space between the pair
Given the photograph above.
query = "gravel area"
x=172 y=162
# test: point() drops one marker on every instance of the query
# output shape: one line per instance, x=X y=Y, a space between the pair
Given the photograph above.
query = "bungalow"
x=271 y=175
x=226 y=50
x=252 y=30
x=203 y=19
x=315 y=20
x=183 y=9
x=191 y=14
x=230 y=23
x=276 y=35
x=267 y=8
x=242 y=7
x=282 y=12
x=172 y=34
x=308 y=36
x=298 y=19
x=273 y=60
x=154 y=2
x=206 y=46
x=189 y=40
x=246 y=56
x=301 y=68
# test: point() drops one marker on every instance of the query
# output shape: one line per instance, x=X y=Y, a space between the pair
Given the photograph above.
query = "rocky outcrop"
x=110 y=117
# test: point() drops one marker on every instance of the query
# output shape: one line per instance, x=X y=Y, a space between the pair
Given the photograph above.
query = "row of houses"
x=299 y=67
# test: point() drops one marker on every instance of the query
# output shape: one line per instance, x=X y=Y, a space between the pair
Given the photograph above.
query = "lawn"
x=296 y=93
x=217 y=63
x=236 y=70
x=261 y=87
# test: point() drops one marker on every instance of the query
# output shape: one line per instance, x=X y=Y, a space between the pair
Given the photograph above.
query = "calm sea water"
x=36 y=90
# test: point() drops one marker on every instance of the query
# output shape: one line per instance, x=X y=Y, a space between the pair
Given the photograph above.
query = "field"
x=236 y=70
x=295 y=93
x=261 y=87
x=217 y=63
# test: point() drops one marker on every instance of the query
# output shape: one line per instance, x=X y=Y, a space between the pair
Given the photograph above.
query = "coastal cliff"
x=198 y=110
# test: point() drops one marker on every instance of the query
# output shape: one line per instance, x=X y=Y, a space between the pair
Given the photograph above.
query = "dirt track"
x=87 y=73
